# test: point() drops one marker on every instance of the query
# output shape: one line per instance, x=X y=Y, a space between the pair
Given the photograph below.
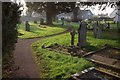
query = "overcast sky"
x=95 y=10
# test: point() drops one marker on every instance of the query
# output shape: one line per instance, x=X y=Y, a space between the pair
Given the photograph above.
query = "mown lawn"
x=38 y=31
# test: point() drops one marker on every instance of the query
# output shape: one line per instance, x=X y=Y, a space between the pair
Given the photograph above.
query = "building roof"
x=85 y=11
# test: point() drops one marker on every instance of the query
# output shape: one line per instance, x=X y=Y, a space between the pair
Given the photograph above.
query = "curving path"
x=24 y=60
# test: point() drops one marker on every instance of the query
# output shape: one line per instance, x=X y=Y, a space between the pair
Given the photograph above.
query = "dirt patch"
x=106 y=59
x=109 y=56
x=91 y=74
x=110 y=53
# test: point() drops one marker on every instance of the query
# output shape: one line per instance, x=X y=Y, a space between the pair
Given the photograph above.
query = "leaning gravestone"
x=82 y=34
x=27 y=26
x=72 y=37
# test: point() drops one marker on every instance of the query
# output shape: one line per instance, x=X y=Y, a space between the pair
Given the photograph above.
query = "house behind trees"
x=82 y=15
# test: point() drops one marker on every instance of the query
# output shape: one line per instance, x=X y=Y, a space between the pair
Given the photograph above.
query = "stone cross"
x=27 y=26
x=72 y=37
x=82 y=31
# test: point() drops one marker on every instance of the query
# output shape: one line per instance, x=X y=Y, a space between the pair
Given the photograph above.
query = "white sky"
x=95 y=11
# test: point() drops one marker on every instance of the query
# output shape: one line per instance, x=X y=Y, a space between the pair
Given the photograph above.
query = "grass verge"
x=38 y=31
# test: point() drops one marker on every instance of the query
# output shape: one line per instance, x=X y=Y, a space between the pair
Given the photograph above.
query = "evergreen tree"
x=10 y=19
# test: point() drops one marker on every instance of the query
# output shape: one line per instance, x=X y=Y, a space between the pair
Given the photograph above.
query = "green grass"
x=75 y=25
x=58 y=65
x=36 y=31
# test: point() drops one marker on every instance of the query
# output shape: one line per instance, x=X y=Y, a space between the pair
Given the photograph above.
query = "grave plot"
x=92 y=74
x=71 y=50
x=106 y=60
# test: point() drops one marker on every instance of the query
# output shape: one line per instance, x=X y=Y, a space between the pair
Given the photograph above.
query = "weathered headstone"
x=27 y=26
x=99 y=31
x=62 y=19
x=79 y=34
x=57 y=19
x=95 y=25
x=72 y=37
x=82 y=34
x=108 y=25
x=35 y=22
x=41 y=21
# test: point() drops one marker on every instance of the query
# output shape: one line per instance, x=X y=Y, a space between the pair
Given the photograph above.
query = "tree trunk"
x=118 y=24
x=75 y=13
x=49 y=12
x=48 y=18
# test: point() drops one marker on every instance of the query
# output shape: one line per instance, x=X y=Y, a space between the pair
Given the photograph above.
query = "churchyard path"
x=24 y=60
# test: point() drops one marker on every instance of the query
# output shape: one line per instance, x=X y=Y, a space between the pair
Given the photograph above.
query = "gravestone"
x=79 y=34
x=95 y=25
x=57 y=19
x=41 y=21
x=108 y=25
x=35 y=22
x=72 y=33
x=27 y=26
x=82 y=34
x=62 y=19
x=99 y=31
